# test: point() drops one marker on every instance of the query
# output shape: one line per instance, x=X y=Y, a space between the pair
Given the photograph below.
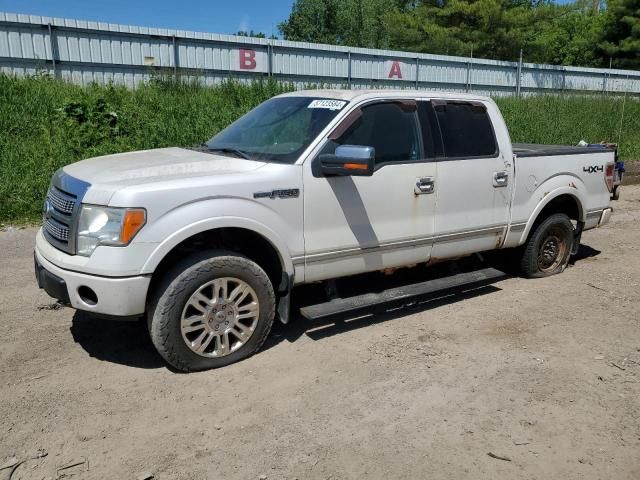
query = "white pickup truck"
x=308 y=186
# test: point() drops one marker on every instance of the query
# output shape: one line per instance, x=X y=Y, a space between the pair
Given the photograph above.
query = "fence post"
x=269 y=59
x=469 y=67
x=54 y=49
x=176 y=60
x=605 y=74
x=519 y=76
x=349 y=68
x=417 y=71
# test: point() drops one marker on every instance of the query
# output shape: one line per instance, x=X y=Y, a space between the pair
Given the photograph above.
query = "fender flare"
x=177 y=237
x=564 y=190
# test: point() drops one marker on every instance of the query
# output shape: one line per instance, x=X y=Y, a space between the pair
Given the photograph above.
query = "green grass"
x=568 y=119
x=45 y=124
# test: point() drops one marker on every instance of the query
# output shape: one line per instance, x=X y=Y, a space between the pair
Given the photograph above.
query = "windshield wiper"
x=235 y=151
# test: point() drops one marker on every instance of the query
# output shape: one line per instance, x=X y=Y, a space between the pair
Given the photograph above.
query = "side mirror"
x=354 y=160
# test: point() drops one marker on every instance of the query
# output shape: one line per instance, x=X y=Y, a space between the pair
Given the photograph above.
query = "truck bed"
x=540 y=150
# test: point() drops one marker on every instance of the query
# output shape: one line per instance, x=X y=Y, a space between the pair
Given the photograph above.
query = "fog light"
x=87 y=295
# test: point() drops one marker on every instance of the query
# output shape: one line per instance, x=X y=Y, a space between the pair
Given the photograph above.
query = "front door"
x=357 y=224
x=475 y=177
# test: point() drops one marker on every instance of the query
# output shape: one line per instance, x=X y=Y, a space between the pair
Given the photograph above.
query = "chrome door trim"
x=325 y=256
x=518 y=226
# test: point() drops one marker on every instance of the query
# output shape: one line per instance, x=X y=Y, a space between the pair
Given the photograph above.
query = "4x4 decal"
x=593 y=169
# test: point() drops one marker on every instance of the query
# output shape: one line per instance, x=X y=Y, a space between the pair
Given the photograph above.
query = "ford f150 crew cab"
x=308 y=186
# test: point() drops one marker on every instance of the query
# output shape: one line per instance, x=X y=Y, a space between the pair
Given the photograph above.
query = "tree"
x=579 y=33
x=621 y=40
x=491 y=28
x=251 y=33
x=312 y=21
x=358 y=23
x=570 y=38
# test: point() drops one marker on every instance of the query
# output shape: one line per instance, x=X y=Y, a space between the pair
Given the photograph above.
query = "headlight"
x=107 y=226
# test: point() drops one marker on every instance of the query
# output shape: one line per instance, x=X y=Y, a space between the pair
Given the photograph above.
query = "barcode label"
x=328 y=104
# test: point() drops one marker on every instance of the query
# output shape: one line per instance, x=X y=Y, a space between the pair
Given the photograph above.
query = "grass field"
x=45 y=124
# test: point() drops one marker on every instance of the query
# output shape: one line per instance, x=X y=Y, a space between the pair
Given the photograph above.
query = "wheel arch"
x=565 y=200
x=243 y=236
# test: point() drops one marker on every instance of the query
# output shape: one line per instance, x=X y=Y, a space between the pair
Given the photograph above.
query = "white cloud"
x=244 y=24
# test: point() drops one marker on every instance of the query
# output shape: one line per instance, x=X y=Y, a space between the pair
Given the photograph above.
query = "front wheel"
x=213 y=309
x=548 y=247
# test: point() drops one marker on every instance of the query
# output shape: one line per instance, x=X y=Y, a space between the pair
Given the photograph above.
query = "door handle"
x=500 y=179
x=424 y=185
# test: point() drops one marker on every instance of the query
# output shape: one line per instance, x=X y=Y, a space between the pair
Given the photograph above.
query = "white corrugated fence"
x=83 y=52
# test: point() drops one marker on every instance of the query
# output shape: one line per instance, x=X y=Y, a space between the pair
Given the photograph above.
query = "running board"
x=438 y=285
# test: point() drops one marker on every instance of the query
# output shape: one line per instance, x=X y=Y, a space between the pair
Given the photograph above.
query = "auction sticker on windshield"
x=328 y=104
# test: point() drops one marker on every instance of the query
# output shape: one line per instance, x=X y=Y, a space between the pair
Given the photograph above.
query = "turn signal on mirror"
x=355 y=166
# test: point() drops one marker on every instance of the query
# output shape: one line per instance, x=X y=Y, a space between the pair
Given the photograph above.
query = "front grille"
x=57 y=230
x=61 y=201
x=61 y=208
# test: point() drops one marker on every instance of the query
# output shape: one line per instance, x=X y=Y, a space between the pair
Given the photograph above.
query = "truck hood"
x=162 y=164
x=110 y=173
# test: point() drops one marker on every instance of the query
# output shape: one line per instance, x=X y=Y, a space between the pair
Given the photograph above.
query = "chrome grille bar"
x=57 y=230
x=61 y=209
x=61 y=201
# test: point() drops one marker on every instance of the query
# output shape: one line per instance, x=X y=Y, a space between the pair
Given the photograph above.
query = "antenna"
x=624 y=100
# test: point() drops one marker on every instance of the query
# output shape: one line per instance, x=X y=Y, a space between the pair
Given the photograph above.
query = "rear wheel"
x=213 y=309
x=548 y=247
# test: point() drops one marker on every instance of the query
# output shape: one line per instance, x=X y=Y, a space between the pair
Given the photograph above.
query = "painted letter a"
x=395 y=70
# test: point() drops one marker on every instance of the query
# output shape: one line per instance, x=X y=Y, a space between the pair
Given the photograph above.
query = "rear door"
x=474 y=178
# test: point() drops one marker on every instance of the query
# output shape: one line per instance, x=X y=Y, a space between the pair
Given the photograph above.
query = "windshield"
x=277 y=130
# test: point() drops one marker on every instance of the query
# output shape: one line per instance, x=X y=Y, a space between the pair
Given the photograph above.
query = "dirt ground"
x=544 y=373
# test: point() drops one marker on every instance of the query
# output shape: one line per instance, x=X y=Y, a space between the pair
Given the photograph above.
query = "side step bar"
x=438 y=285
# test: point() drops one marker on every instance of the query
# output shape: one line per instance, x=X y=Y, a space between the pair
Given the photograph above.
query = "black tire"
x=548 y=247
x=170 y=297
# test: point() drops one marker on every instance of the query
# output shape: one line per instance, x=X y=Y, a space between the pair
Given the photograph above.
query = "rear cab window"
x=464 y=127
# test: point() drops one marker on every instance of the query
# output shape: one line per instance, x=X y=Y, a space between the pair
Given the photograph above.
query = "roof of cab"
x=363 y=94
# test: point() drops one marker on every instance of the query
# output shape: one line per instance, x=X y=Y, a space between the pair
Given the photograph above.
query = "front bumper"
x=114 y=296
x=50 y=283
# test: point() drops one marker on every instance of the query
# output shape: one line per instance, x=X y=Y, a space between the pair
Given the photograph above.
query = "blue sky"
x=217 y=16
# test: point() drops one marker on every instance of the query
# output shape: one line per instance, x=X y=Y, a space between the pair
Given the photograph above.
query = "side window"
x=466 y=129
x=388 y=127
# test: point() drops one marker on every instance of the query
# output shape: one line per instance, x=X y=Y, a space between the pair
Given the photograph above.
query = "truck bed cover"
x=540 y=150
